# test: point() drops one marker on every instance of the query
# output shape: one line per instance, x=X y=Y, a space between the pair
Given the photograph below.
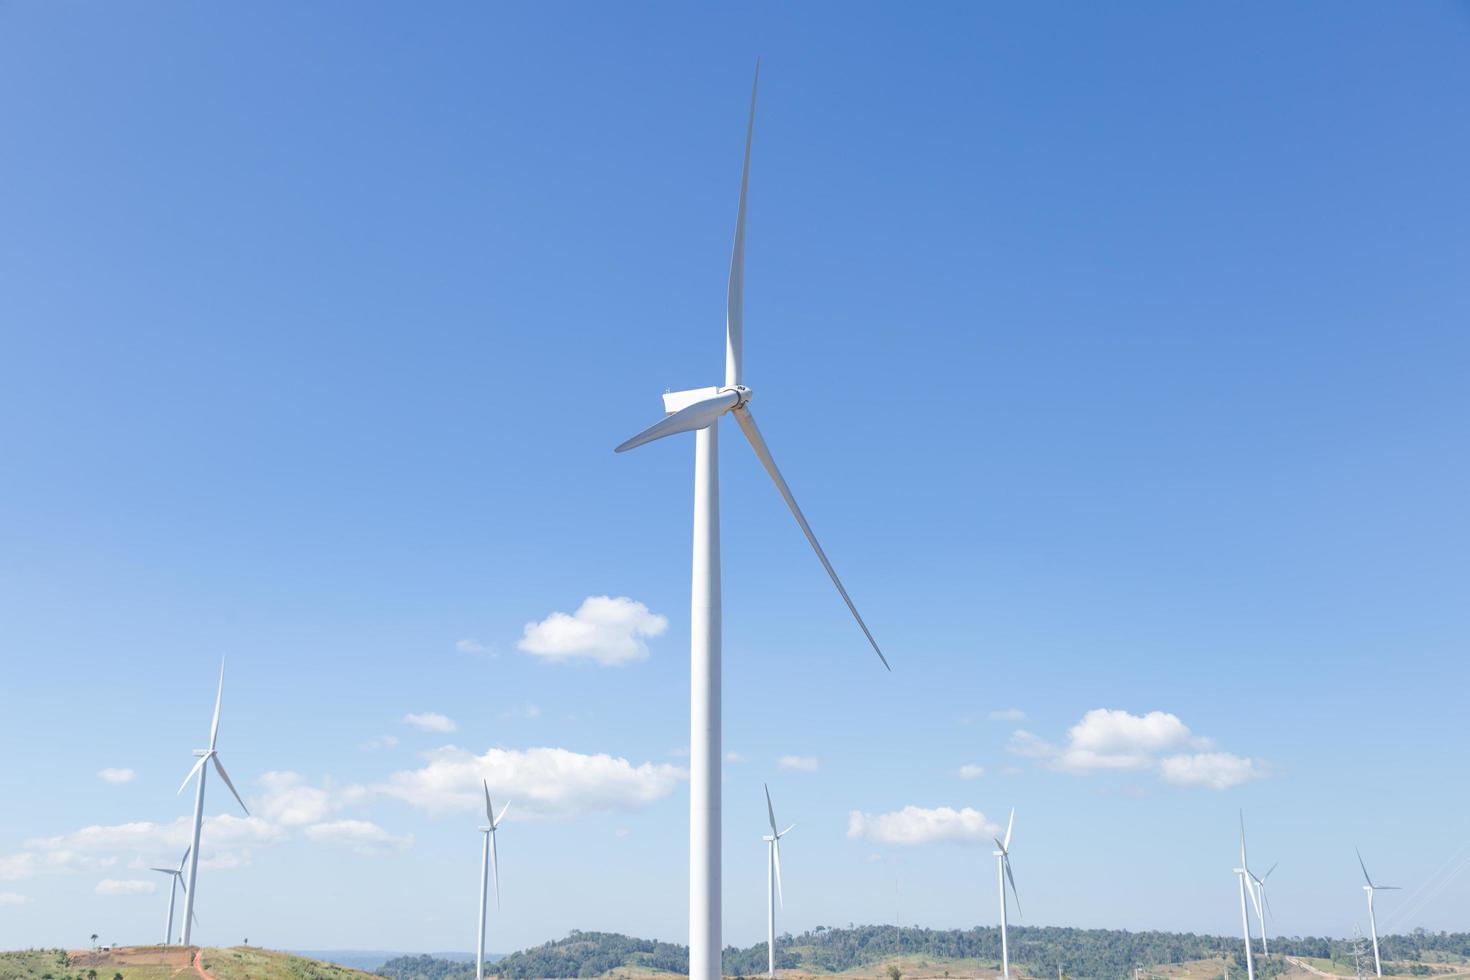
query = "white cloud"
x=116 y=776
x=430 y=721
x=1110 y=739
x=379 y=742
x=1007 y=714
x=1217 y=770
x=290 y=801
x=797 y=763
x=362 y=835
x=543 y=782
x=610 y=631
x=473 y=646
x=971 y=771
x=13 y=898
x=917 y=825
x=114 y=886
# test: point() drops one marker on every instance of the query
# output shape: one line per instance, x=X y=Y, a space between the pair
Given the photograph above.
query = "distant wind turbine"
x=699 y=411
x=1003 y=871
x=1243 y=873
x=1263 y=906
x=201 y=768
x=1370 y=888
x=488 y=866
x=773 y=882
x=173 y=890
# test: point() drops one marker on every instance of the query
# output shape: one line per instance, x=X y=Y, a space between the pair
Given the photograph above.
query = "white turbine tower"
x=773 y=882
x=488 y=866
x=201 y=768
x=1370 y=888
x=699 y=411
x=1003 y=871
x=1263 y=906
x=177 y=874
x=1243 y=873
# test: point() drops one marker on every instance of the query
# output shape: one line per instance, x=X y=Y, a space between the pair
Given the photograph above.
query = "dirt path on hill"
x=199 y=966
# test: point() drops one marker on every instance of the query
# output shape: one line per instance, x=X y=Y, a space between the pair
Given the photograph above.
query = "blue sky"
x=1117 y=356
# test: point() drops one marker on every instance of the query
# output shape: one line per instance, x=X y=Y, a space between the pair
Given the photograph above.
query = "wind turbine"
x=488 y=866
x=699 y=411
x=201 y=767
x=1003 y=871
x=1242 y=873
x=1370 y=888
x=1263 y=906
x=773 y=882
x=173 y=891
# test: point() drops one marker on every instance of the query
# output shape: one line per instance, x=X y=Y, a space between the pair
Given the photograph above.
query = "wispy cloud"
x=797 y=763
x=115 y=886
x=378 y=742
x=1007 y=714
x=734 y=758
x=917 y=825
x=473 y=646
x=15 y=898
x=116 y=776
x=608 y=631
x=361 y=835
x=430 y=721
x=971 y=771
x=1111 y=739
x=544 y=782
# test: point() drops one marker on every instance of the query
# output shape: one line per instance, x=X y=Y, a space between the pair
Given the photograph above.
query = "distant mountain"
x=371 y=960
x=1044 y=951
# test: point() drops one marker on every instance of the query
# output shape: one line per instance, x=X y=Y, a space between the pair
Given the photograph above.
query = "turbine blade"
x=776 y=846
x=1010 y=824
x=219 y=768
x=489 y=807
x=686 y=419
x=1268 y=872
x=735 y=293
x=197 y=766
x=502 y=814
x=770 y=811
x=787 y=831
x=218 y=697
x=1012 y=879
x=495 y=868
x=1364 y=867
x=1387 y=888
x=1243 y=862
x=748 y=426
x=180 y=879
x=167 y=871
x=185 y=858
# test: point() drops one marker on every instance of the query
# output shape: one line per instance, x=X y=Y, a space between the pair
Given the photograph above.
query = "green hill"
x=1039 y=951
x=162 y=963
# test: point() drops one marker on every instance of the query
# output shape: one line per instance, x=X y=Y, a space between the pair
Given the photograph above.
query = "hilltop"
x=1036 y=951
x=164 y=962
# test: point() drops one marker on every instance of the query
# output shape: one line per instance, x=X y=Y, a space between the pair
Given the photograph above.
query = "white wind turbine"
x=1003 y=871
x=1243 y=873
x=1257 y=888
x=1370 y=888
x=488 y=866
x=773 y=882
x=202 y=769
x=177 y=875
x=699 y=411
x=1263 y=906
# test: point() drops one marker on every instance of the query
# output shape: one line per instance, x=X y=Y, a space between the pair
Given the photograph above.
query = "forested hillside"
x=1042 y=950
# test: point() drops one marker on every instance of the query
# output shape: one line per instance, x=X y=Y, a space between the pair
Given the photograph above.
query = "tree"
x=94 y=940
x=894 y=973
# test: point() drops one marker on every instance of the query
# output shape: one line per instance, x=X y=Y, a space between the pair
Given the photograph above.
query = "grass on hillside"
x=253 y=963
